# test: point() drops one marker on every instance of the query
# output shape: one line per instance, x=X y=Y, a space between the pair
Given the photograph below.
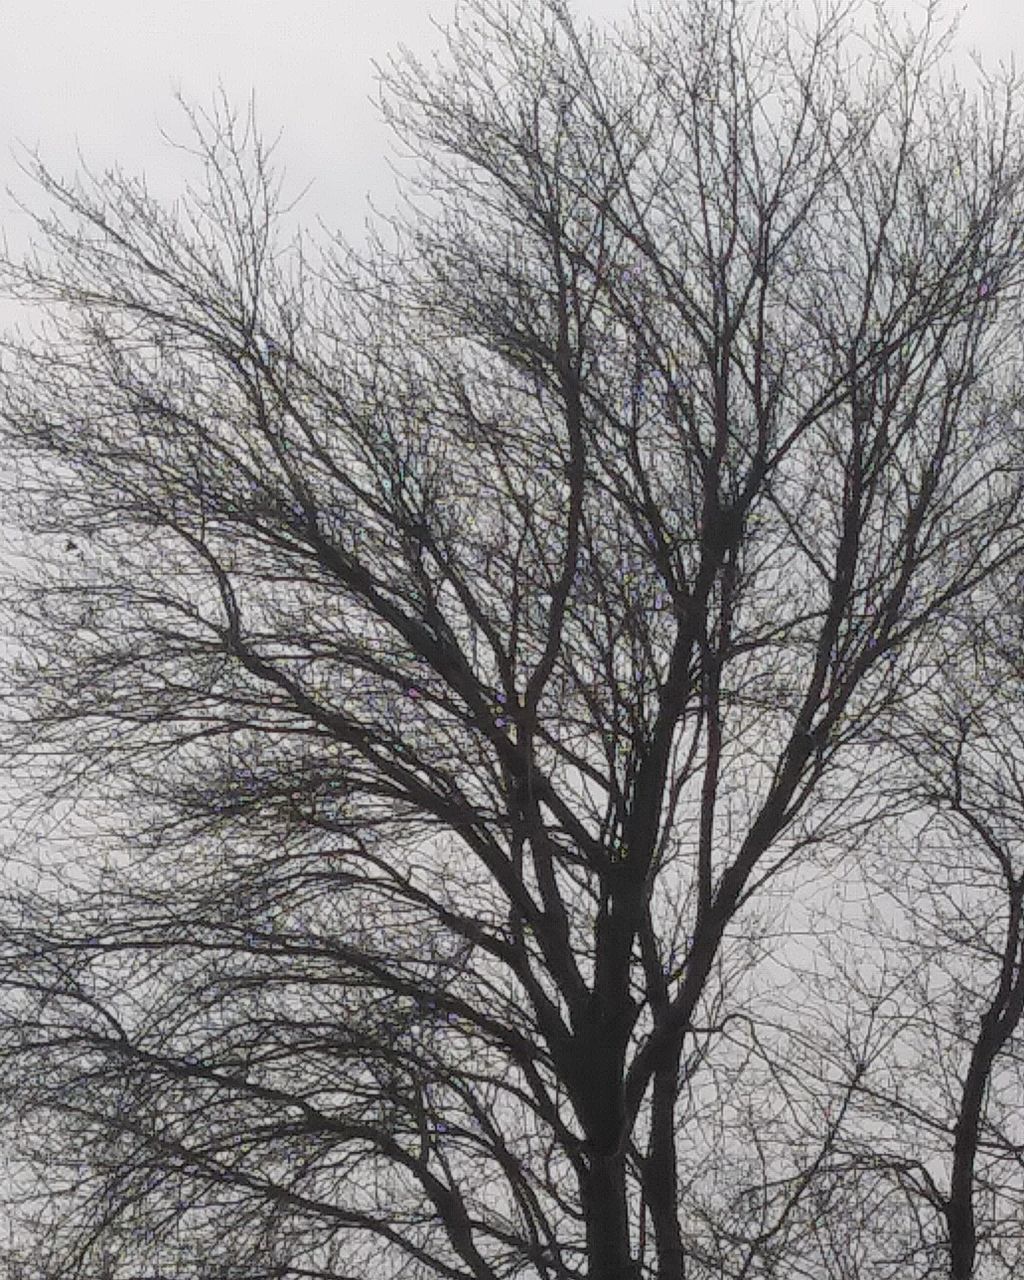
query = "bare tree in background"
x=453 y=689
x=935 y=1117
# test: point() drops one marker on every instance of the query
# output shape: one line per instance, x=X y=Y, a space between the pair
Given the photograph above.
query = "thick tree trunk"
x=599 y=1051
x=661 y=1177
x=601 y=1035
x=607 y=1219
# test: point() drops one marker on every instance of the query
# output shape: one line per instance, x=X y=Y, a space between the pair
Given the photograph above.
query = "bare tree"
x=937 y=1117
x=451 y=686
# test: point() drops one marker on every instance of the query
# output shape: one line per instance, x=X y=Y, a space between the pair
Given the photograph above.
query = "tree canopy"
x=513 y=729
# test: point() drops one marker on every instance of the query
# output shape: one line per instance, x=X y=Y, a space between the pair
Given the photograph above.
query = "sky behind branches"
x=100 y=75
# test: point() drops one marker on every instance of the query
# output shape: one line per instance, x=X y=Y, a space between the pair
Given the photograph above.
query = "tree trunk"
x=661 y=1177
x=607 y=1218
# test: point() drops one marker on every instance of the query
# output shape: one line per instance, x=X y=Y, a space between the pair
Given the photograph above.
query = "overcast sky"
x=101 y=74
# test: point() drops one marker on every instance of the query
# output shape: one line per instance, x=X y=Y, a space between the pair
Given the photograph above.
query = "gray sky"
x=101 y=73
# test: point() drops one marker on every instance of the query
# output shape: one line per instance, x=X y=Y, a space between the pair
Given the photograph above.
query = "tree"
x=953 y=938
x=465 y=671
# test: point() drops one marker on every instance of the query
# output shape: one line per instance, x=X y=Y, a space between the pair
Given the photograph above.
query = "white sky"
x=101 y=74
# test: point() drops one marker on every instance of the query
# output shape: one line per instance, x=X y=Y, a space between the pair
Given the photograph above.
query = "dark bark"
x=660 y=1171
x=603 y=1196
x=1001 y=1019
